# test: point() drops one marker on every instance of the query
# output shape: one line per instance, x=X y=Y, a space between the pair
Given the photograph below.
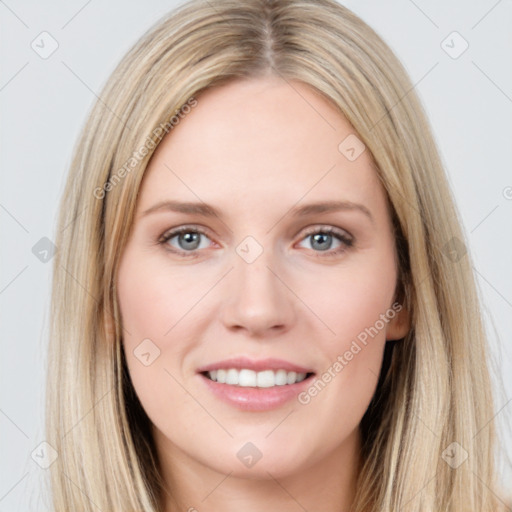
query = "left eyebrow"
x=330 y=206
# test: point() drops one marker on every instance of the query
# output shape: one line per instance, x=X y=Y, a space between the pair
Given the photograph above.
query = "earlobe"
x=399 y=326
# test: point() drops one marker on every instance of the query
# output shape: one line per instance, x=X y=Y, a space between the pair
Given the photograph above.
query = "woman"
x=262 y=298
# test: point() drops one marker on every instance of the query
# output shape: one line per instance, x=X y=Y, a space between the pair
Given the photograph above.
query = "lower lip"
x=256 y=399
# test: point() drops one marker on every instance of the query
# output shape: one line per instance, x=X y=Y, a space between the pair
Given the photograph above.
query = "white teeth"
x=246 y=378
x=265 y=379
x=281 y=378
x=250 y=378
x=232 y=377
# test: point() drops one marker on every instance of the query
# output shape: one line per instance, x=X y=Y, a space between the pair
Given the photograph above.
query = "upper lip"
x=258 y=365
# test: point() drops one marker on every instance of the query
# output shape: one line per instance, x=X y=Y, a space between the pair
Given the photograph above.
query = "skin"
x=254 y=149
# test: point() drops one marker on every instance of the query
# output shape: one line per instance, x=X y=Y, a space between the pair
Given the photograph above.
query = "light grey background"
x=44 y=104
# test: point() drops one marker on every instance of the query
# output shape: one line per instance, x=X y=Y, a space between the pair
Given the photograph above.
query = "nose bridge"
x=258 y=300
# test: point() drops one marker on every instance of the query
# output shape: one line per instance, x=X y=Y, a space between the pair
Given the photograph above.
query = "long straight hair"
x=434 y=389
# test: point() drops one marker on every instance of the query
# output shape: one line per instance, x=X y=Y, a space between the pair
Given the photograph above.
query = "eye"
x=188 y=240
x=322 y=239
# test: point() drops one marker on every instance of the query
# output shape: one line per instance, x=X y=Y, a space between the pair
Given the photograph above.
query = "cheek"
x=153 y=300
x=149 y=308
x=356 y=305
x=163 y=318
x=353 y=299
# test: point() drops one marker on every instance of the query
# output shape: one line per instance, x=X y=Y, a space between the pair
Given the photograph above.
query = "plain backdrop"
x=44 y=101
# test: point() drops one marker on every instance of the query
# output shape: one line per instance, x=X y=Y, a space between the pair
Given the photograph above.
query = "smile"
x=255 y=385
x=250 y=378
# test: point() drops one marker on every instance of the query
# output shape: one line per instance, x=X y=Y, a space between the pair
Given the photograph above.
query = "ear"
x=398 y=326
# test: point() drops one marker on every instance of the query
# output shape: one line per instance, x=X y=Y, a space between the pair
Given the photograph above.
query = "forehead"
x=260 y=142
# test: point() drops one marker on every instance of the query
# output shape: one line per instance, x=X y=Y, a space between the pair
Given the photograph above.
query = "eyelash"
x=347 y=242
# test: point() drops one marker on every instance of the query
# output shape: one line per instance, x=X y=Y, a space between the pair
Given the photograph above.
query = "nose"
x=259 y=301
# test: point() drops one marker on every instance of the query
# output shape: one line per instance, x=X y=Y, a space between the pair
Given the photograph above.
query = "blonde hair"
x=435 y=386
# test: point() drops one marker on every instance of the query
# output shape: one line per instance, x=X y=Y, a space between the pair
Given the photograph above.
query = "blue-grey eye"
x=321 y=241
x=188 y=240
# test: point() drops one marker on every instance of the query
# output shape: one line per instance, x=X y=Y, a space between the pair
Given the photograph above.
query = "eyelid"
x=326 y=228
x=185 y=228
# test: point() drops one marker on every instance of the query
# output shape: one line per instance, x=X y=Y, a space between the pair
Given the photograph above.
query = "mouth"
x=252 y=385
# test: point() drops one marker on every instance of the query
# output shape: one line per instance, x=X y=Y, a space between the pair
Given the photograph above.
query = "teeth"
x=249 y=378
x=281 y=377
x=246 y=378
x=232 y=377
x=291 y=377
x=265 y=379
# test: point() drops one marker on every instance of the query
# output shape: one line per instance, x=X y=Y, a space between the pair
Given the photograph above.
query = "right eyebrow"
x=181 y=207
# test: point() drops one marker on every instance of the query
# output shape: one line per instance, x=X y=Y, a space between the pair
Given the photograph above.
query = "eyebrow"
x=207 y=210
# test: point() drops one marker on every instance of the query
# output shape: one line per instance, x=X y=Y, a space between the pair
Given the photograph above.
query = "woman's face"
x=277 y=279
